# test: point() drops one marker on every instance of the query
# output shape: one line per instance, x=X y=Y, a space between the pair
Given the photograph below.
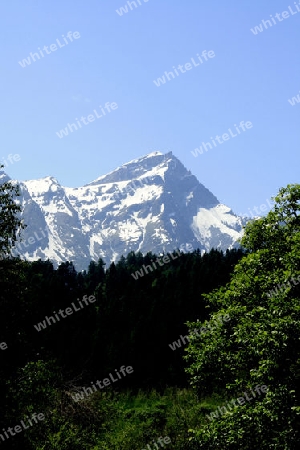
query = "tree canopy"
x=260 y=343
x=10 y=222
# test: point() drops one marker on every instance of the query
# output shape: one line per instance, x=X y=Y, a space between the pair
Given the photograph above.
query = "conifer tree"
x=10 y=222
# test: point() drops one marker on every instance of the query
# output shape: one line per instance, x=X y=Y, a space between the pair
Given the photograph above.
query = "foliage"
x=260 y=343
x=9 y=209
x=133 y=321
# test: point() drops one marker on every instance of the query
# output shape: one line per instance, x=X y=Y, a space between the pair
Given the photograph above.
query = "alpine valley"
x=149 y=204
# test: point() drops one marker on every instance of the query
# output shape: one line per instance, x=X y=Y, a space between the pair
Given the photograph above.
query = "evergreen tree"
x=10 y=222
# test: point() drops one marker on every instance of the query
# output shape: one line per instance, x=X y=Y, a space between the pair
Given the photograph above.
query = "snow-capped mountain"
x=149 y=204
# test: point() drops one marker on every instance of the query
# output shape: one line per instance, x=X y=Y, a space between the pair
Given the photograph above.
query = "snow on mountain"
x=148 y=204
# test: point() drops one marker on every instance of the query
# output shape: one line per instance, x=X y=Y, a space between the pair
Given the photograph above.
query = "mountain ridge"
x=152 y=203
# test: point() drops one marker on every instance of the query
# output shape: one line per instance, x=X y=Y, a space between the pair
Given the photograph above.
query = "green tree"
x=10 y=222
x=259 y=345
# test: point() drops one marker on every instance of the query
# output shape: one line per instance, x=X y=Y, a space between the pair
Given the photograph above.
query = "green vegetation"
x=9 y=221
x=260 y=344
x=132 y=323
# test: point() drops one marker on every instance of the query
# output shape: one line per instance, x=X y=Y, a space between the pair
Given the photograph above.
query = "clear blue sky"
x=117 y=58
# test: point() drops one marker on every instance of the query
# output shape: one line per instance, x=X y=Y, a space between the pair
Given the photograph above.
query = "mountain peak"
x=42 y=185
x=152 y=203
x=133 y=169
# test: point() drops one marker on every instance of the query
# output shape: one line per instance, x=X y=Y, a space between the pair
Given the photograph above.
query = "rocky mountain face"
x=149 y=204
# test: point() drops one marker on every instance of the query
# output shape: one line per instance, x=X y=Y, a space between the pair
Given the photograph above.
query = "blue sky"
x=116 y=58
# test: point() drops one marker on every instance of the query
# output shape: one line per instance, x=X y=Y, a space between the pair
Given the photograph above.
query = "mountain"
x=149 y=204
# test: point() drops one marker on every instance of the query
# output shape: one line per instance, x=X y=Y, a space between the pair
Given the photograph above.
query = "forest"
x=201 y=353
